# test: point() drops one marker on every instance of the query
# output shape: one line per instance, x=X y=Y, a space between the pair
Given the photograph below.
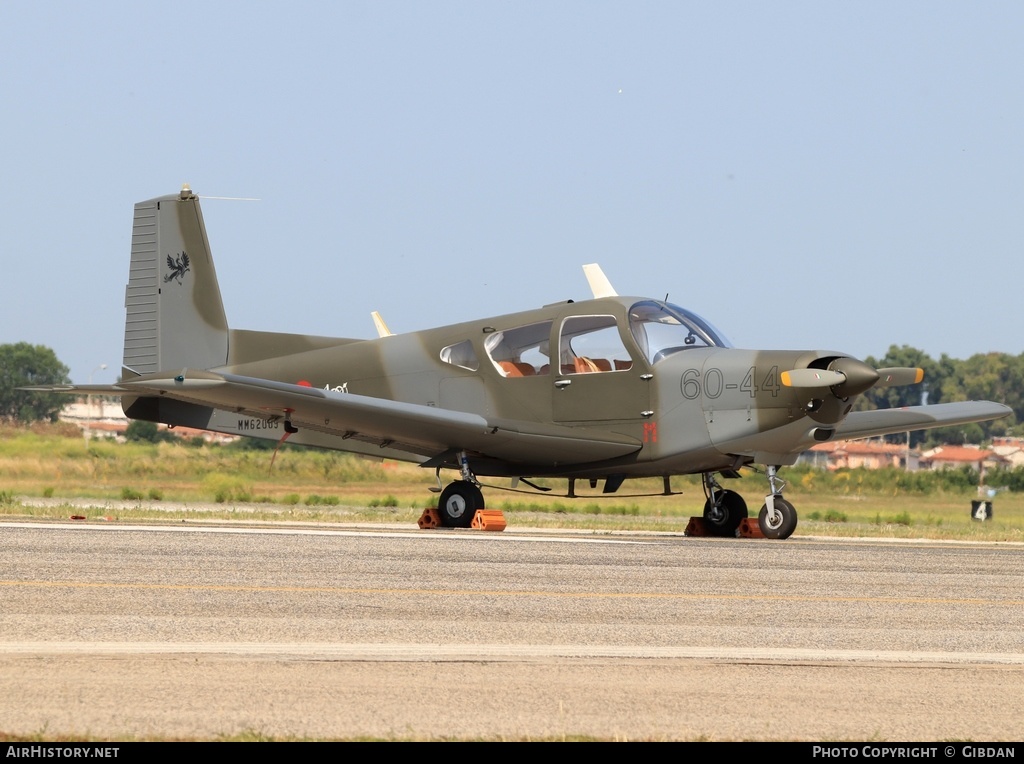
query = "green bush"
x=147 y=432
x=227 y=488
x=314 y=500
x=901 y=519
x=893 y=480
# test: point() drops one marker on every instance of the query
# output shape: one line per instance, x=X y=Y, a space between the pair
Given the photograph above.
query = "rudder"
x=174 y=315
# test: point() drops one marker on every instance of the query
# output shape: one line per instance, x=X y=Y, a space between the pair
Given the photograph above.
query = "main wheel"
x=782 y=524
x=724 y=519
x=459 y=502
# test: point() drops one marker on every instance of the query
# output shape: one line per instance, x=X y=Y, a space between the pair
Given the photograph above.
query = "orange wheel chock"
x=697 y=527
x=429 y=519
x=488 y=520
x=750 y=528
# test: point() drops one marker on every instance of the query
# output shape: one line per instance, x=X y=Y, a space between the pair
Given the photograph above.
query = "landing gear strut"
x=461 y=499
x=777 y=518
x=724 y=510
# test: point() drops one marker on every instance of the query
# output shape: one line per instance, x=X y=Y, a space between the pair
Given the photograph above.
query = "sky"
x=805 y=175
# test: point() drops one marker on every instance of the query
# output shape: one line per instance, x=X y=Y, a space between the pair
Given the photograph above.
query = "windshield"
x=661 y=329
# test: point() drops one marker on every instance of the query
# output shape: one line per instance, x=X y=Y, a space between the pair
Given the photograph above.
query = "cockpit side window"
x=591 y=344
x=521 y=351
x=461 y=354
x=662 y=329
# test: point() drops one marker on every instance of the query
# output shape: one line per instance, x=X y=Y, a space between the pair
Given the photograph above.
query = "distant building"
x=951 y=457
x=1011 y=449
x=850 y=454
x=105 y=419
x=97 y=416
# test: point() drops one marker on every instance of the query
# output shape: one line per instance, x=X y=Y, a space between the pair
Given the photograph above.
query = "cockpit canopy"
x=662 y=329
x=589 y=342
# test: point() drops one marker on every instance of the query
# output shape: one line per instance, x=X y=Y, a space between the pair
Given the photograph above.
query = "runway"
x=199 y=631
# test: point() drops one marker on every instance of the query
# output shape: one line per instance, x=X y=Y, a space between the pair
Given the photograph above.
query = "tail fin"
x=174 y=313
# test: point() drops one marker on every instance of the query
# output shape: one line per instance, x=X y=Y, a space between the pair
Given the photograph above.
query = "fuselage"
x=640 y=368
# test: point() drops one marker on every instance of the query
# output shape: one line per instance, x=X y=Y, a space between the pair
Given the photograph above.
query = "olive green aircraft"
x=599 y=390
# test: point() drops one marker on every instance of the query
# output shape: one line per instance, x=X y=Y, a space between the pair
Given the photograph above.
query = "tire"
x=731 y=511
x=782 y=525
x=459 y=503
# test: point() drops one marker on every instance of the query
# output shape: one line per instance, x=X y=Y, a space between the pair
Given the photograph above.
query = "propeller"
x=843 y=377
x=847 y=376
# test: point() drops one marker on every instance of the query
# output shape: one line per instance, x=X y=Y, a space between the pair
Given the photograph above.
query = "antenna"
x=231 y=198
x=187 y=193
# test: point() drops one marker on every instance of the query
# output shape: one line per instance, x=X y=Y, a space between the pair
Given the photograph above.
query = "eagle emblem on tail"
x=178 y=267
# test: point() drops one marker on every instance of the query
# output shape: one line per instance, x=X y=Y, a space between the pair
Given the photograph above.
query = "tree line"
x=22 y=365
x=984 y=376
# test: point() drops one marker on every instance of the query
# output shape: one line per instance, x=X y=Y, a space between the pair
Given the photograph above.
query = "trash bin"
x=981 y=510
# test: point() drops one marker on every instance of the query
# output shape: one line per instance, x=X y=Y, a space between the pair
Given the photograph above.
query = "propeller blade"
x=811 y=378
x=898 y=376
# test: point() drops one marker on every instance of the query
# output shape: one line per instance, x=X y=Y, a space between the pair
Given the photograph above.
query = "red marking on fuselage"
x=650 y=432
x=303 y=383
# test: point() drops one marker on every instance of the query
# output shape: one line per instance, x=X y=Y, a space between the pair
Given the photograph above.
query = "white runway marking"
x=475 y=651
x=446 y=535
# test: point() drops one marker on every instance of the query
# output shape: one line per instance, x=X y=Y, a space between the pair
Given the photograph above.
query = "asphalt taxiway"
x=199 y=631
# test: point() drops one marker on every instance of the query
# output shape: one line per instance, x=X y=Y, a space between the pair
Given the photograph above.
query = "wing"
x=409 y=427
x=184 y=260
x=867 y=424
x=170 y=262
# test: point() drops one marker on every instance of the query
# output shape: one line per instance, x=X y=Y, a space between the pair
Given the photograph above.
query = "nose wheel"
x=780 y=521
x=777 y=518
